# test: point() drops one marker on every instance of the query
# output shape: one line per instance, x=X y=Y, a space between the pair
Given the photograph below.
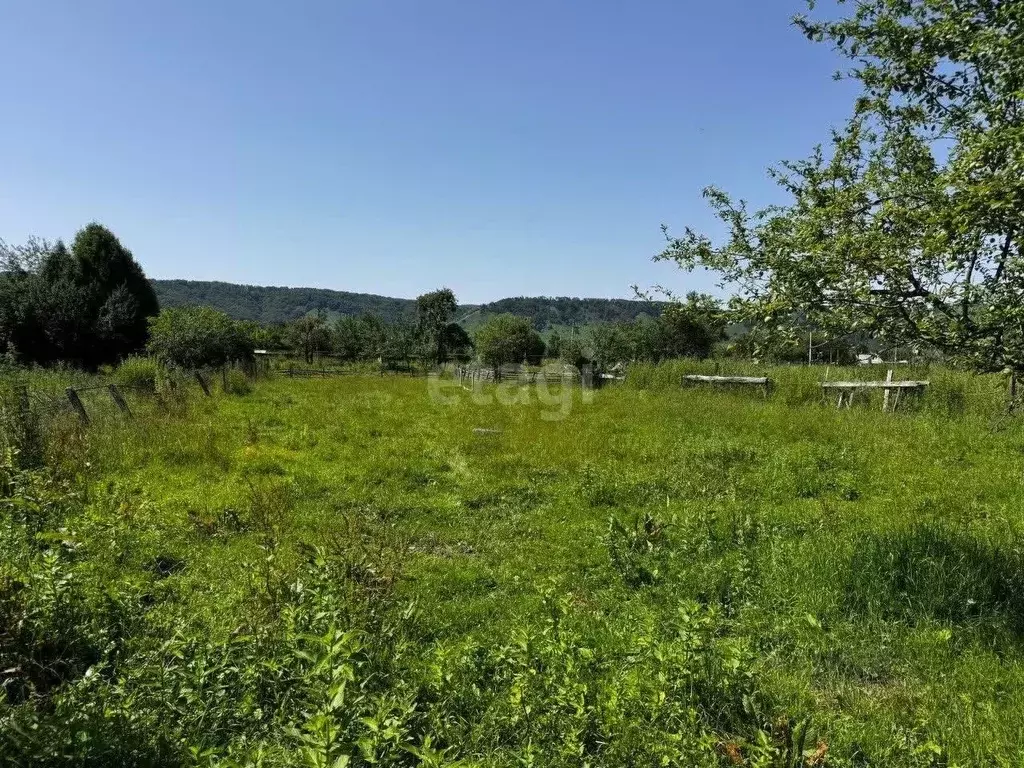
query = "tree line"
x=90 y=305
x=691 y=328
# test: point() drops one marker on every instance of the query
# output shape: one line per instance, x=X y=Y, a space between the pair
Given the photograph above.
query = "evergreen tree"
x=87 y=305
x=117 y=297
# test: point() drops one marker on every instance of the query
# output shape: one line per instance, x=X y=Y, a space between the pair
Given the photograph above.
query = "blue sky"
x=392 y=146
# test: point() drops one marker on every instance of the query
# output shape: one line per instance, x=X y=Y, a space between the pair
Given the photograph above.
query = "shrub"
x=138 y=372
x=509 y=339
x=197 y=337
x=575 y=689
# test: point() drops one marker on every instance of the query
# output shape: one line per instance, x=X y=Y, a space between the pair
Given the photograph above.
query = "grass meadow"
x=396 y=571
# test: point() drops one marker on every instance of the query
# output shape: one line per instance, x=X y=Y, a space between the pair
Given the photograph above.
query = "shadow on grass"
x=931 y=572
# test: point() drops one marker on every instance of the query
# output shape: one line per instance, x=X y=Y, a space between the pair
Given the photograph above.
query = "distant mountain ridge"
x=268 y=304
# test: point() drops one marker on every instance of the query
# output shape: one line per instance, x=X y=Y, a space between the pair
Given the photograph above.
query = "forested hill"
x=269 y=304
x=565 y=311
x=276 y=305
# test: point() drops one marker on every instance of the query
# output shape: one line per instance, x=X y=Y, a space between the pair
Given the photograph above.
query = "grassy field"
x=364 y=571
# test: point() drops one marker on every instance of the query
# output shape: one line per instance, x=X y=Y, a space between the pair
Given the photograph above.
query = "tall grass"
x=350 y=571
x=38 y=425
x=950 y=392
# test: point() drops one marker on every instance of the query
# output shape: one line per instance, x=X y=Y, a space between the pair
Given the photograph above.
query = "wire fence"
x=24 y=404
x=86 y=399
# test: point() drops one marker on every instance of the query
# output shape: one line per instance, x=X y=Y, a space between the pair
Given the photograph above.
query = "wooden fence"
x=79 y=399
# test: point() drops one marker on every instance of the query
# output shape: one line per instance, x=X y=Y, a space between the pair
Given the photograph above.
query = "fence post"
x=1013 y=391
x=119 y=401
x=76 y=403
x=23 y=404
x=885 y=395
x=202 y=383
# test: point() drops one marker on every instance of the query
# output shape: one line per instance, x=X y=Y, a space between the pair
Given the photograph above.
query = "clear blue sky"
x=501 y=148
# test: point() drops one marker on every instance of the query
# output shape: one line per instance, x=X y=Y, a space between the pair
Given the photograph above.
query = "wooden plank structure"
x=847 y=389
x=750 y=381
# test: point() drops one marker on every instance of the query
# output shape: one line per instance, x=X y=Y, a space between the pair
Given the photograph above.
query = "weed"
x=638 y=551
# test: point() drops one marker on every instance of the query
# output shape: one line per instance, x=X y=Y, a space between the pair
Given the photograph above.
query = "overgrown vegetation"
x=197 y=337
x=950 y=392
x=400 y=572
x=343 y=572
x=509 y=339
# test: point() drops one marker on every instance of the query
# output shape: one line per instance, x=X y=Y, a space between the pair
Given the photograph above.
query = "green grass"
x=665 y=576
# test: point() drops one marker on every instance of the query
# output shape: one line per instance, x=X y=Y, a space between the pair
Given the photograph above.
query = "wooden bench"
x=847 y=389
x=751 y=381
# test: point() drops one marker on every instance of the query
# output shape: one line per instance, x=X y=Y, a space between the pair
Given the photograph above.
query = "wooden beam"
x=874 y=384
x=761 y=381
